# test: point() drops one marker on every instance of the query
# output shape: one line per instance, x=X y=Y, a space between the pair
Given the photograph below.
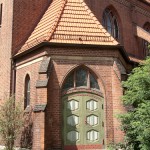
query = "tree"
x=136 y=122
x=11 y=121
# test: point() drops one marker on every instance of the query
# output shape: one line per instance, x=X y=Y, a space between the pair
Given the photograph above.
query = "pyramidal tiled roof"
x=69 y=21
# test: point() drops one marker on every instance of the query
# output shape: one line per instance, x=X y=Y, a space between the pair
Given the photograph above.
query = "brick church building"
x=65 y=60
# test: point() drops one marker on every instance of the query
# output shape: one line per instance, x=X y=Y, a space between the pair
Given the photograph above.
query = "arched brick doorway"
x=83 y=111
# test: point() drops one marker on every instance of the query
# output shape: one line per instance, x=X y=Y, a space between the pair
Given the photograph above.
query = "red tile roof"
x=69 y=21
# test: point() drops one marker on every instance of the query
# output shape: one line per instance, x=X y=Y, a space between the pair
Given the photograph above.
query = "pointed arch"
x=81 y=77
x=112 y=22
x=76 y=101
x=27 y=91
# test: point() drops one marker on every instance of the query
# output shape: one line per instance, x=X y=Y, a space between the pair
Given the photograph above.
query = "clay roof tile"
x=69 y=21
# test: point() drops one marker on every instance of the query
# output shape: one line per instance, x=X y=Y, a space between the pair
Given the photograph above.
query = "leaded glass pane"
x=116 y=33
x=73 y=105
x=69 y=82
x=92 y=105
x=92 y=120
x=93 y=82
x=104 y=20
x=92 y=135
x=110 y=23
x=81 y=78
x=73 y=120
x=73 y=136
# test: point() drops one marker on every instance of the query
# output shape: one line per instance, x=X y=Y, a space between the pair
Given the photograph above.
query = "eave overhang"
x=63 y=45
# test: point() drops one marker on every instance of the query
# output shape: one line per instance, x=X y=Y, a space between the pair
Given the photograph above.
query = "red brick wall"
x=26 y=15
x=32 y=71
x=129 y=14
x=111 y=89
x=118 y=108
x=104 y=69
x=5 y=48
x=107 y=79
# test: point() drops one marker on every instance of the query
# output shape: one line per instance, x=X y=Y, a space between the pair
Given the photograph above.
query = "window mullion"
x=88 y=79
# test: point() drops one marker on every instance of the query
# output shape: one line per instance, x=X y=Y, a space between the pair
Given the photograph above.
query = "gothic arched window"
x=81 y=78
x=110 y=23
x=146 y=43
x=27 y=92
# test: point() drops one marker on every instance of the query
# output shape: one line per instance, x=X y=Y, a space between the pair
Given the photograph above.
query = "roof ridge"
x=97 y=22
x=53 y=28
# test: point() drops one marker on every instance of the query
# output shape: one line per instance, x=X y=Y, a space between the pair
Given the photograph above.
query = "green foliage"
x=119 y=146
x=137 y=86
x=136 y=122
x=11 y=120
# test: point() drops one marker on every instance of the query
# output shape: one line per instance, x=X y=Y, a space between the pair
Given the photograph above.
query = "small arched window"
x=146 y=43
x=81 y=78
x=110 y=23
x=27 y=92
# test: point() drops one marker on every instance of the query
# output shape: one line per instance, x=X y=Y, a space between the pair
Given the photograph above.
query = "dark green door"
x=83 y=121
